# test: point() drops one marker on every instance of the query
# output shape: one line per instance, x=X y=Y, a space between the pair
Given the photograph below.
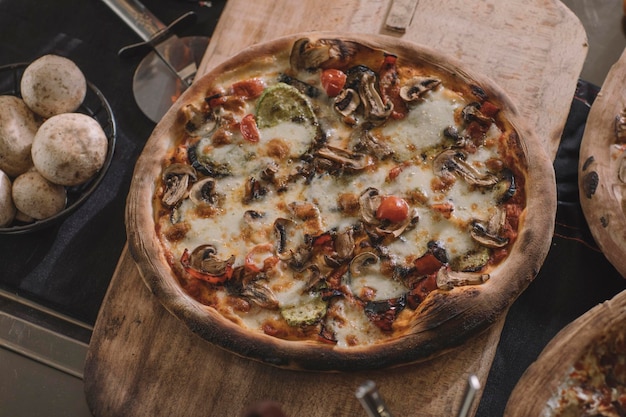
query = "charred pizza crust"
x=602 y=169
x=443 y=320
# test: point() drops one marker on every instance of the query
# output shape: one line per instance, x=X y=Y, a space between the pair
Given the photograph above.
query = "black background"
x=68 y=266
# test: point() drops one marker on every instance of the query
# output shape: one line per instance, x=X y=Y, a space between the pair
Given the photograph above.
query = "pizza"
x=596 y=383
x=581 y=371
x=334 y=202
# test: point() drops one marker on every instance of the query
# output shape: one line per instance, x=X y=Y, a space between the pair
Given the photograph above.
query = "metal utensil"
x=371 y=400
x=473 y=385
x=171 y=62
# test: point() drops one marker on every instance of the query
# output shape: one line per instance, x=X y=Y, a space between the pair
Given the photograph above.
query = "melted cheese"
x=227 y=229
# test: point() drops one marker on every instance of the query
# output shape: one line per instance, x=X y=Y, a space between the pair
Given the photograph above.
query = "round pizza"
x=340 y=202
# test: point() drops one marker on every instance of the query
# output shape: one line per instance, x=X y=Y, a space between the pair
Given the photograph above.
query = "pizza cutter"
x=170 y=64
x=373 y=403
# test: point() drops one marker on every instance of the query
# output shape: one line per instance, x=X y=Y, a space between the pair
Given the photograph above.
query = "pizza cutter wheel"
x=171 y=62
x=375 y=406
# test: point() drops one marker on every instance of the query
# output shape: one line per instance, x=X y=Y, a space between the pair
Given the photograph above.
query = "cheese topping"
x=311 y=214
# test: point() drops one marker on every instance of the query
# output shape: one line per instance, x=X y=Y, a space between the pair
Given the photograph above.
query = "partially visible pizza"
x=596 y=383
x=581 y=372
x=336 y=202
x=602 y=168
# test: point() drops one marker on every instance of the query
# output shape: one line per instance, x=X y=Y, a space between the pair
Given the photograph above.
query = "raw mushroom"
x=53 y=85
x=69 y=148
x=18 y=126
x=7 y=208
x=37 y=197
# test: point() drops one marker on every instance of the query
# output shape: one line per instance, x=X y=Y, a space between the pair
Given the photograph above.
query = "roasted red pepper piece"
x=249 y=129
x=390 y=87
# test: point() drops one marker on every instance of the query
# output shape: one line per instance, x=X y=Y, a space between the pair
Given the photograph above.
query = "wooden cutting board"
x=143 y=362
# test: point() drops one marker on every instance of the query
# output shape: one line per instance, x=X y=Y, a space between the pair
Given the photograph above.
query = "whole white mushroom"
x=69 y=148
x=7 y=208
x=53 y=84
x=18 y=125
x=37 y=197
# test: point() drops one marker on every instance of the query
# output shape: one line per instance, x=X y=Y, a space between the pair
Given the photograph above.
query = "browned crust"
x=541 y=380
x=444 y=321
x=602 y=194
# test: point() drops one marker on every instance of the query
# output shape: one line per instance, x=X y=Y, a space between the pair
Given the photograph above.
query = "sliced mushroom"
x=369 y=201
x=368 y=143
x=343 y=245
x=203 y=192
x=310 y=55
x=345 y=159
x=506 y=187
x=396 y=229
x=313 y=277
x=198 y=122
x=451 y=132
x=488 y=235
x=294 y=252
x=361 y=261
x=472 y=113
x=176 y=179
x=374 y=109
x=481 y=234
x=282 y=228
x=204 y=258
x=448 y=279
x=254 y=190
x=452 y=161
x=368 y=205
x=417 y=87
x=347 y=101
x=260 y=294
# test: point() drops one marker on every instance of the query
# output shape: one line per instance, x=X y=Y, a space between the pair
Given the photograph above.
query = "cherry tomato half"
x=333 y=81
x=392 y=208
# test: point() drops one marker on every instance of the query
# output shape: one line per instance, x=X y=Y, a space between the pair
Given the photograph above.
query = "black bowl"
x=94 y=105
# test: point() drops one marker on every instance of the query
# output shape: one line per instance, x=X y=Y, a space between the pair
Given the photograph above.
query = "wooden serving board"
x=602 y=157
x=144 y=362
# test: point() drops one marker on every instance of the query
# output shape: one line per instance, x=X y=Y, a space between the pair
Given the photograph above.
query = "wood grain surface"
x=144 y=362
x=602 y=157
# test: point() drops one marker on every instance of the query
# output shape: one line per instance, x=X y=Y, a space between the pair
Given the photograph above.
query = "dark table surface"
x=68 y=266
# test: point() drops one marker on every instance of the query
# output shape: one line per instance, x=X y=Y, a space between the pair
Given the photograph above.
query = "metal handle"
x=137 y=17
x=473 y=385
x=371 y=400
